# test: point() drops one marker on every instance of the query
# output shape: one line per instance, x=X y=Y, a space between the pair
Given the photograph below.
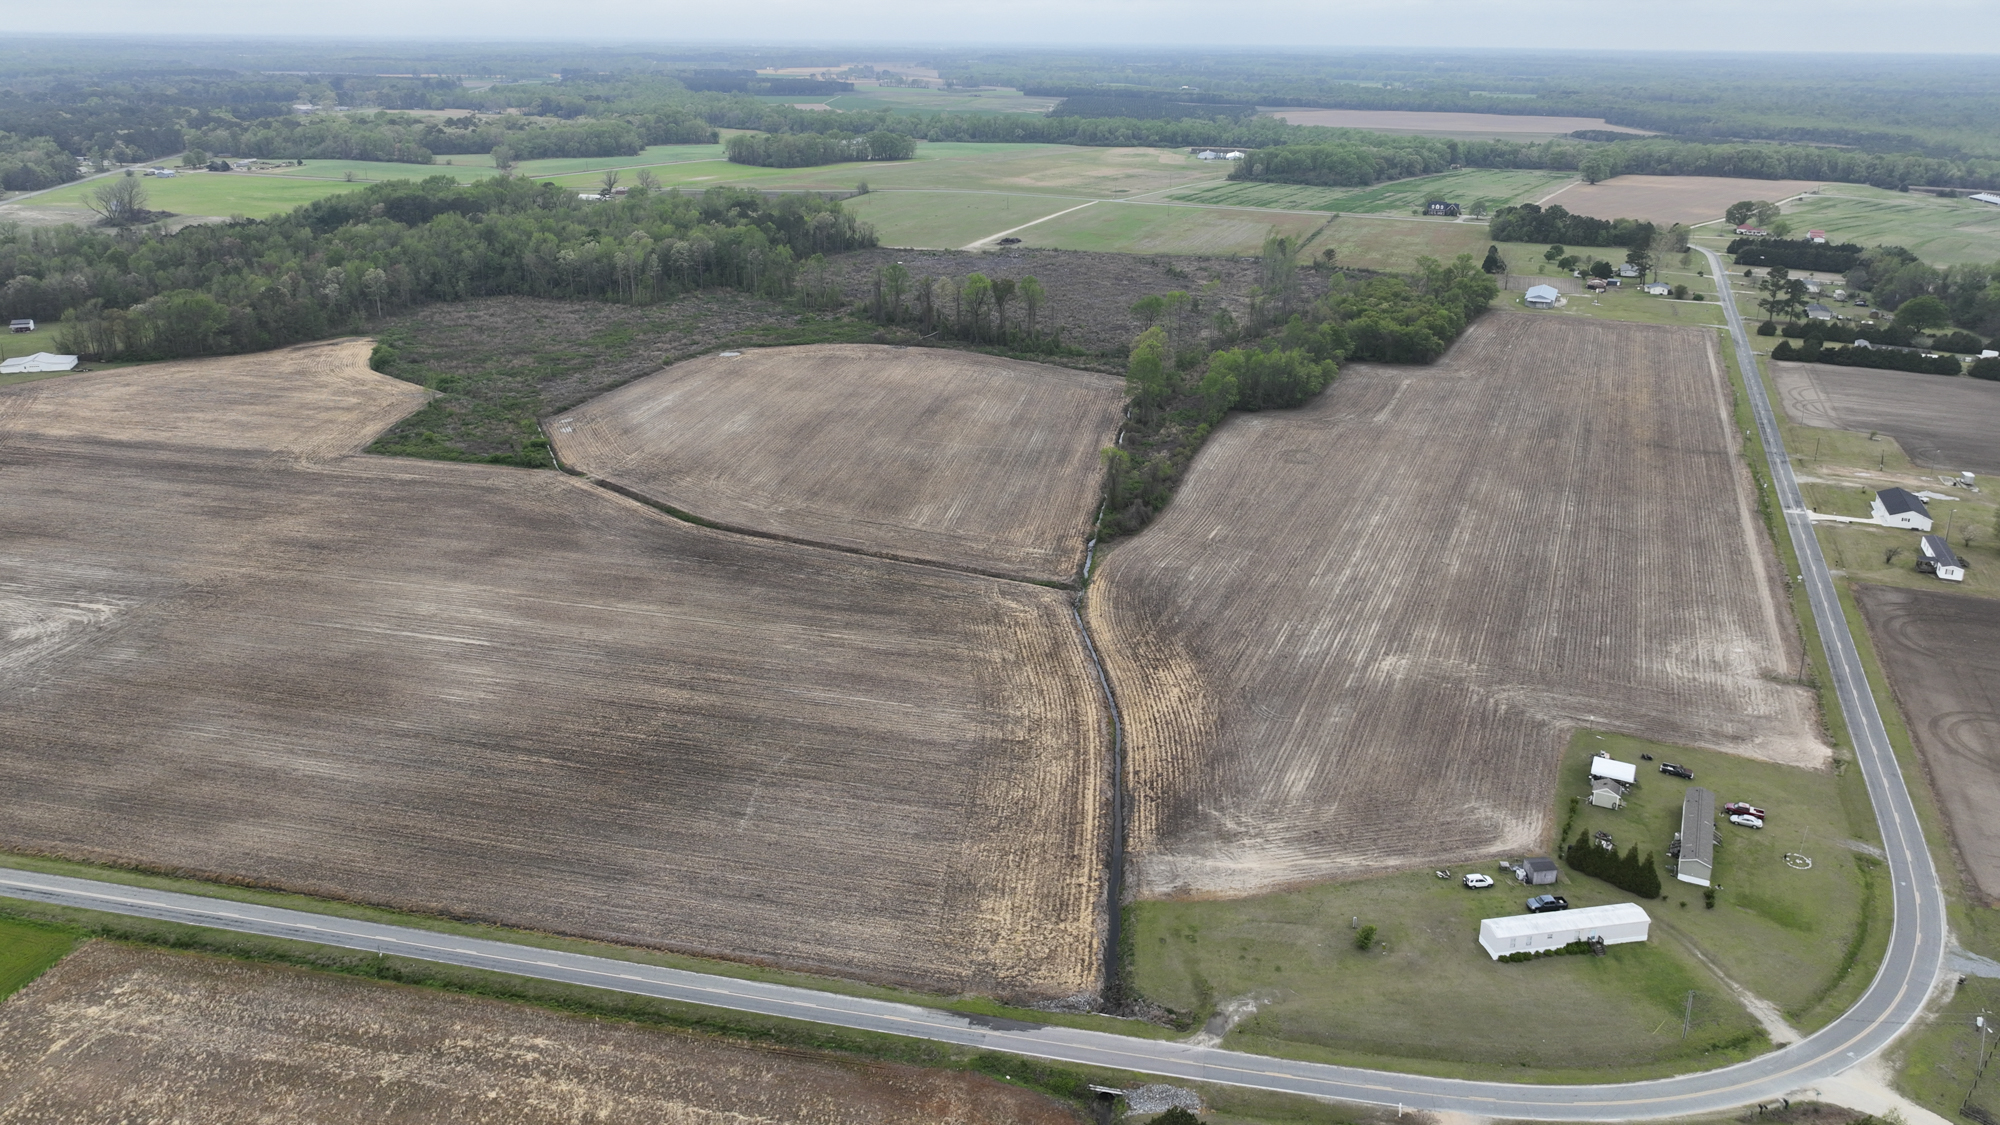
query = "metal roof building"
x=1939 y=559
x=1542 y=296
x=1605 y=766
x=1697 y=858
x=1532 y=933
x=40 y=361
x=1899 y=507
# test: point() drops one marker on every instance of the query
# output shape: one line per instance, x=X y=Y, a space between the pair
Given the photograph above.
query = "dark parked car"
x=1544 y=904
x=1677 y=771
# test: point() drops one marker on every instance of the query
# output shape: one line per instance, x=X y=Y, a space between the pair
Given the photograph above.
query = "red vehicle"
x=1738 y=808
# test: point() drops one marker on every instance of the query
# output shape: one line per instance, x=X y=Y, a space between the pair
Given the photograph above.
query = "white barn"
x=1899 y=507
x=1533 y=933
x=1542 y=297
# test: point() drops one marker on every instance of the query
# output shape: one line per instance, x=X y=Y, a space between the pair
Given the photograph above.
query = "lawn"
x=463 y=168
x=1384 y=243
x=1940 y=231
x=1942 y=1069
x=1525 y=263
x=912 y=99
x=27 y=950
x=1494 y=188
x=1433 y=1000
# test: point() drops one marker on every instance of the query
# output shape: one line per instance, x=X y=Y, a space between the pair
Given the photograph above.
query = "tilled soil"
x=985 y=464
x=1359 y=637
x=1940 y=422
x=141 y=1037
x=512 y=695
x=1942 y=652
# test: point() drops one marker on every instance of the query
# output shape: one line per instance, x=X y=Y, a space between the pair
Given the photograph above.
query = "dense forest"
x=329 y=266
x=778 y=150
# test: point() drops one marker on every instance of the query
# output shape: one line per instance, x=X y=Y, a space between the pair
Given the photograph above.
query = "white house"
x=1938 y=559
x=39 y=362
x=1532 y=933
x=1657 y=289
x=1897 y=507
x=1542 y=297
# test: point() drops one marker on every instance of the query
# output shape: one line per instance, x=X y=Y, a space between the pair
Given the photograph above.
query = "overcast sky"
x=1928 y=26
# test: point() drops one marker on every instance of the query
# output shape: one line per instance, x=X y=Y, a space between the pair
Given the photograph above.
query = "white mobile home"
x=1532 y=933
x=1939 y=559
x=1605 y=766
x=1899 y=507
x=1696 y=861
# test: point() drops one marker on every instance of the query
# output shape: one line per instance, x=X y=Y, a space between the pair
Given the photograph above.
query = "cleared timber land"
x=1942 y=653
x=1361 y=634
x=980 y=463
x=1942 y=423
x=139 y=1036
x=233 y=650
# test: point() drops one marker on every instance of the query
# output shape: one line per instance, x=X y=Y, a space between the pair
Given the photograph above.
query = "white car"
x=1746 y=821
x=1477 y=881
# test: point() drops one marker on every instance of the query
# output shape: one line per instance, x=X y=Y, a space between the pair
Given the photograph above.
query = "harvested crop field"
x=1511 y=125
x=979 y=463
x=1940 y=422
x=1942 y=653
x=141 y=1036
x=512 y=695
x=1670 y=199
x=1360 y=636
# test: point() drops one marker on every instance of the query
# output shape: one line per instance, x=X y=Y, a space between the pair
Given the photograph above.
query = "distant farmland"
x=985 y=464
x=236 y=651
x=1359 y=637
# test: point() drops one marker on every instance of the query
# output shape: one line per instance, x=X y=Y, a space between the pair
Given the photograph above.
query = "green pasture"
x=462 y=168
x=911 y=99
x=1433 y=1000
x=1138 y=228
x=1495 y=188
x=27 y=950
x=253 y=195
x=1940 y=231
x=652 y=156
x=1394 y=244
x=1525 y=263
x=950 y=219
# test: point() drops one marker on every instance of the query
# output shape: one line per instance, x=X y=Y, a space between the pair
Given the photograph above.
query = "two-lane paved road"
x=1892 y=1001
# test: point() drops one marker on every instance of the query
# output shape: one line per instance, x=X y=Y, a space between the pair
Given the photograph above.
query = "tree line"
x=1796 y=254
x=331 y=266
x=1193 y=365
x=1628 y=872
x=803 y=150
x=1528 y=222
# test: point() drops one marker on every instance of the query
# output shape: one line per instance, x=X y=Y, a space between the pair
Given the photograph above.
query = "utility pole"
x=1687 y=1017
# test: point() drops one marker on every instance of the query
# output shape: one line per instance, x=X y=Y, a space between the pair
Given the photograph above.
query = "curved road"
x=1891 y=1003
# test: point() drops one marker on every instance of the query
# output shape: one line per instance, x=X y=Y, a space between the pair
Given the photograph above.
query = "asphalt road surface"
x=1892 y=1002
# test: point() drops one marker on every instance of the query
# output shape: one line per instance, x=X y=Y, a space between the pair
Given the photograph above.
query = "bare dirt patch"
x=513 y=695
x=141 y=1036
x=1942 y=654
x=316 y=400
x=1670 y=199
x=1361 y=634
x=1419 y=121
x=978 y=462
x=1940 y=422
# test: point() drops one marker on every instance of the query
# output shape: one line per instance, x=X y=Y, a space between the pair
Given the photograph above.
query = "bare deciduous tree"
x=121 y=200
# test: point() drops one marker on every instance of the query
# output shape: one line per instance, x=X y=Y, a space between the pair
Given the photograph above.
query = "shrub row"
x=1627 y=872
x=1570 y=950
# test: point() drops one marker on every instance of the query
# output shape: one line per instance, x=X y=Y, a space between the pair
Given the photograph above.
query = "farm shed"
x=1542 y=297
x=1532 y=933
x=1440 y=207
x=1606 y=793
x=1816 y=236
x=1697 y=858
x=41 y=361
x=21 y=326
x=1899 y=507
x=1536 y=872
x=1938 y=559
x=1604 y=765
x=1985 y=197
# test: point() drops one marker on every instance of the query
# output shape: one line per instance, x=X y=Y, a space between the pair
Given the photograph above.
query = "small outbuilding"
x=1816 y=236
x=1657 y=289
x=1899 y=507
x=1697 y=843
x=1984 y=197
x=1937 y=558
x=1616 y=924
x=1536 y=872
x=1440 y=207
x=1604 y=765
x=1542 y=297
x=1628 y=270
x=1606 y=793
x=37 y=363
x=23 y=325
x=1232 y=156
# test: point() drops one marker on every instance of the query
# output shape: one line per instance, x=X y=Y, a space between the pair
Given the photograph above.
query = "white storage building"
x=40 y=361
x=1939 y=559
x=1899 y=507
x=1542 y=297
x=1533 y=933
x=1605 y=766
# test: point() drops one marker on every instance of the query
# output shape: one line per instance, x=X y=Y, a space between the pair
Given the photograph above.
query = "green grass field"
x=1434 y=1001
x=1128 y=228
x=911 y=99
x=27 y=951
x=1940 y=231
x=949 y=219
x=224 y=194
x=462 y=168
x=1496 y=188
x=1385 y=243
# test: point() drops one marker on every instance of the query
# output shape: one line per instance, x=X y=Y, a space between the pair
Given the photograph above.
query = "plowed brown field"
x=513 y=695
x=1942 y=652
x=1942 y=423
x=1359 y=637
x=1670 y=199
x=143 y=1037
x=980 y=463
